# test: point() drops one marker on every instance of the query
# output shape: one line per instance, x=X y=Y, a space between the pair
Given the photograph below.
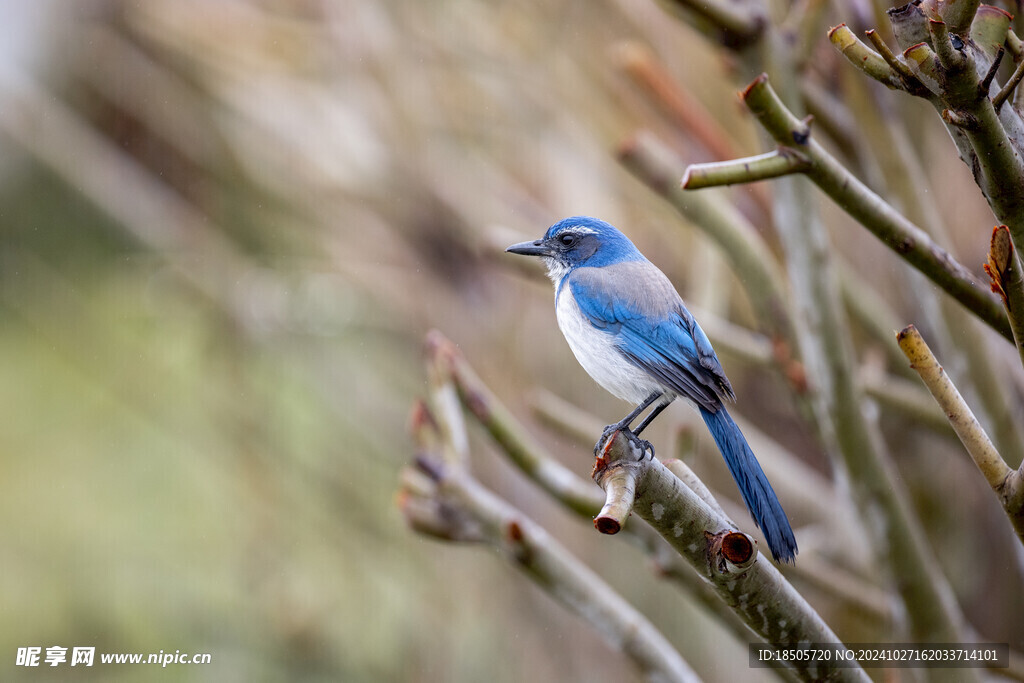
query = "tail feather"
x=758 y=495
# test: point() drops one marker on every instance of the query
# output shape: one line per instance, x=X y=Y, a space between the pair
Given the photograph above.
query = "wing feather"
x=636 y=302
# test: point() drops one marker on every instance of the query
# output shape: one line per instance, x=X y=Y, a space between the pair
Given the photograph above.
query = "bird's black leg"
x=623 y=425
x=650 y=418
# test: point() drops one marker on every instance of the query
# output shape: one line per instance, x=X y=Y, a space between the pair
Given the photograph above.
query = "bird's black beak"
x=534 y=248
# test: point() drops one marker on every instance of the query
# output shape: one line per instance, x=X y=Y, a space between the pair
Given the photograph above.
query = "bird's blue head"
x=579 y=241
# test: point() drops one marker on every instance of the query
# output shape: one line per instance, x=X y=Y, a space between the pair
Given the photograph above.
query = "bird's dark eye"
x=567 y=240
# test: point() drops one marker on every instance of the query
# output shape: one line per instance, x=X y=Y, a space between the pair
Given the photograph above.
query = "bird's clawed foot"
x=608 y=434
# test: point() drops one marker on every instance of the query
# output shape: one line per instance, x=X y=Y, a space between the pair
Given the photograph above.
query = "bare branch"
x=951 y=58
x=997 y=473
x=740 y=241
x=722 y=555
x=445 y=400
x=894 y=229
x=782 y=161
x=738 y=23
x=864 y=58
x=552 y=476
x=909 y=80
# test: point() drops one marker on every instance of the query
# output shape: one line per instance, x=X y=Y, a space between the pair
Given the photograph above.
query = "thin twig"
x=448 y=411
x=986 y=83
x=783 y=161
x=1003 y=480
x=552 y=476
x=864 y=58
x=910 y=81
x=1014 y=45
x=1008 y=87
x=950 y=58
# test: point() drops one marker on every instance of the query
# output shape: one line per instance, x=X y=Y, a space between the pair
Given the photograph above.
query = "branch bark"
x=445 y=500
x=727 y=558
x=782 y=161
x=902 y=236
x=736 y=24
x=1005 y=482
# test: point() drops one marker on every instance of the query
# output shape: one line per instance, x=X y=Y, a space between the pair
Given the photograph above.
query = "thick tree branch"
x=902 y=236
x=747 y=581
x=576 y=494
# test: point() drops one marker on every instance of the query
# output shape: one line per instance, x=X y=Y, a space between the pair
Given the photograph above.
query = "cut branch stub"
x=922 y=61
x=863 y=57
x=959 y=14
x=735 y=549
x=909 y=24
x=990 y=28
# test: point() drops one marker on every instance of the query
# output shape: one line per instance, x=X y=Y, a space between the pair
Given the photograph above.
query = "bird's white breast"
x=596 y=351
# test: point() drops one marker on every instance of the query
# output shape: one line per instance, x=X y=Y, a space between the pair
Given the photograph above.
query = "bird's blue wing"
x=634 y=301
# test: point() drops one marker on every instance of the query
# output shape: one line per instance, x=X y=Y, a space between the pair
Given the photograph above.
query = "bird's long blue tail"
x=757 y=493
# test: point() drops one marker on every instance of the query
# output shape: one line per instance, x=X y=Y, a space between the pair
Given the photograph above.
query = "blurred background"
x=226 y=227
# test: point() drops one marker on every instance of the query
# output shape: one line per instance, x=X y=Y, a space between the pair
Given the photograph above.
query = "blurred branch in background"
x=1004 y=271
x=440 y=498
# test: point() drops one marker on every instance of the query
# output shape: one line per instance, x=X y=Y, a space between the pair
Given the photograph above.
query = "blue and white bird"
x=628 y=328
